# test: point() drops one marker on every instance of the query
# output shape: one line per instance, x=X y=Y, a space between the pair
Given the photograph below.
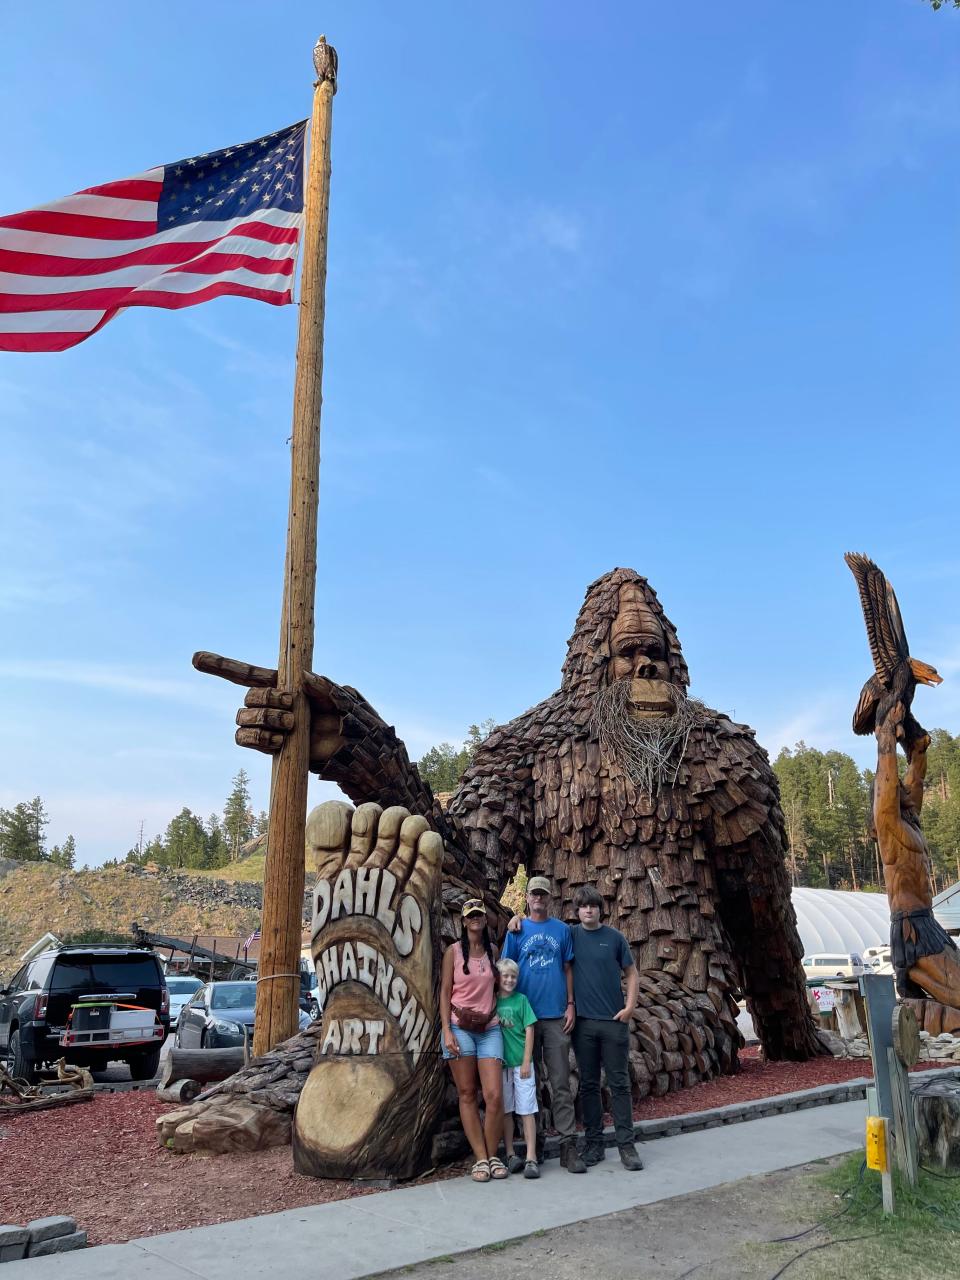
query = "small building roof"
x=946 y=908
x=841 y=920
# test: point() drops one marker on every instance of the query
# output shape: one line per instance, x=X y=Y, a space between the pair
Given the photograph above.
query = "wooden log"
x=936 y=1109
x=906 y=1035
x=279 y=984
x=179 y=1091
x=200 y=1065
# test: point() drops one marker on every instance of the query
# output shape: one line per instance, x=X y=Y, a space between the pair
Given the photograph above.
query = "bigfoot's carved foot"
x=370 y=1104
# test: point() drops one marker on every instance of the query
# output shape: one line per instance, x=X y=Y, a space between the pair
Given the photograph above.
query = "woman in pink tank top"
x=472 y=1040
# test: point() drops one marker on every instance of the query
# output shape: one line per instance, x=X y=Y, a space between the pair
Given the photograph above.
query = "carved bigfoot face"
x=642 y=719
x=638 y=652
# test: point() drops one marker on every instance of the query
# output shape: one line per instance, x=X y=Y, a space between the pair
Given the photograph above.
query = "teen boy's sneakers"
x=570 y=1157
x=514 y=1163
x=531 y=1169
x=629 y=1157
x=593 y=1153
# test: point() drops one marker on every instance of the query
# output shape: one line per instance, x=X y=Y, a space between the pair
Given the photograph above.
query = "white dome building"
x=841 y=920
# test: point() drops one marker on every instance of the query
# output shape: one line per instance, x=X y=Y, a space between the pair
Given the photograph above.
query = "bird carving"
x=897 y=674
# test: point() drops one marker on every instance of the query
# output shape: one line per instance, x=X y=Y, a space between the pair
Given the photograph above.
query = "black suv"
x=36 y=1002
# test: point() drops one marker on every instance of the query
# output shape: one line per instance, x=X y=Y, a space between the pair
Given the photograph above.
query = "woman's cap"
x=539 y=883
x=473 y=907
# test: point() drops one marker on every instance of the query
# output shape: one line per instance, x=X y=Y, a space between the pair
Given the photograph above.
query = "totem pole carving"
x=926 y=960
x=618 y=780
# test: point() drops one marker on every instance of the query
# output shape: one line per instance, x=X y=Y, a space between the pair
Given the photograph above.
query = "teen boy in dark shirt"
x=602 y=1034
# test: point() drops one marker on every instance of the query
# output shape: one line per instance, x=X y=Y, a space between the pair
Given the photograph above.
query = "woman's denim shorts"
x=477 y=1044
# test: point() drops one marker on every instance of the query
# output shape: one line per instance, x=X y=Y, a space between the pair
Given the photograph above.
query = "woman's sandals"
x=494 y=1168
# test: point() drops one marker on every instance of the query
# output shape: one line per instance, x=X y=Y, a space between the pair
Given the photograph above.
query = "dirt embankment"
x=36 y=898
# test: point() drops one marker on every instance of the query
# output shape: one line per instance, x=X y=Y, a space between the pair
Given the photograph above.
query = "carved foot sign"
x=370 y=1103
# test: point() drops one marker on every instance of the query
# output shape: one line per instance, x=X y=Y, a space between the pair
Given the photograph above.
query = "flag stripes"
x=224 y=223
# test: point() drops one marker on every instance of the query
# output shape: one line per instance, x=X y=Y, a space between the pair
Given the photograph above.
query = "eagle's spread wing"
x=881 y=613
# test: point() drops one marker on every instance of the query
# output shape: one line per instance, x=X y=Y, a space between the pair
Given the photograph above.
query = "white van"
x=877 y=956
x=834 y=964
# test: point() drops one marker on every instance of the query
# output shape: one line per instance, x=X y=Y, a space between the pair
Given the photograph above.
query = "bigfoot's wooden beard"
x=648 y=749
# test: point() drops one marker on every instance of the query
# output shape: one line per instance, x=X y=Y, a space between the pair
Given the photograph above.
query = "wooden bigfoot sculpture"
x=617 y=780
x=926 y=960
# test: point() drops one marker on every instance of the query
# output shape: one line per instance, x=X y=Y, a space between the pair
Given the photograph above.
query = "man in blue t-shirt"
x=543 y=948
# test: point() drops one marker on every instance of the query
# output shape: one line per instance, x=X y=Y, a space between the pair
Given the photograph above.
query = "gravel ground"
x=72 y=1159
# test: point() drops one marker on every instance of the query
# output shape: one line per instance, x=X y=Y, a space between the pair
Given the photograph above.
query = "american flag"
x=224 y=222
x=251 y=940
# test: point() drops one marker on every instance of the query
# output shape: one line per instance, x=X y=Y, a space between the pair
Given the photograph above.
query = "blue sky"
x=671 y=287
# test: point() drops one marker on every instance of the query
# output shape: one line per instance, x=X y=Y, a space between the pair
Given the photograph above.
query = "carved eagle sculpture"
x=897 y=674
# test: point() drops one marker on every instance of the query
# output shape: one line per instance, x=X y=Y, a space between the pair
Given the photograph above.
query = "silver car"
x=181 y=989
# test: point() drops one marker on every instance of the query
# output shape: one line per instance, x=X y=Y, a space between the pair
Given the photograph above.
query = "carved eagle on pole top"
x=897 y=674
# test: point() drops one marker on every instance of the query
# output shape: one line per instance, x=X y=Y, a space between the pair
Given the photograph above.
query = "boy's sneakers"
x=629 y=1157
x=593 y=1153
x=514 y=1162
x=531 y=1169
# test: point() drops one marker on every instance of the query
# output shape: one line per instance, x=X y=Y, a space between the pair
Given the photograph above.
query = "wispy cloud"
x=95 y=676
x=499 y=481
x=556 y=228
x=243 y=358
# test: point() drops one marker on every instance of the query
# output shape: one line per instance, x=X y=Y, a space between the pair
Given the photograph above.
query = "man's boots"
x=629 y=1157
x=570 y=1157
x=593 y=1153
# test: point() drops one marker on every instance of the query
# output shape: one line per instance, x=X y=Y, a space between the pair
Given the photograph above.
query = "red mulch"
x=100 y=1162
x=759 y=1079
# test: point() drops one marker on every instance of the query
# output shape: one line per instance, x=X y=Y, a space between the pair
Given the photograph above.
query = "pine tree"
x=237 y=817
x=38 y=822
x=185 y=841
x=21 y=838
x=218 y=852
x=69 y=853
x=443 y=766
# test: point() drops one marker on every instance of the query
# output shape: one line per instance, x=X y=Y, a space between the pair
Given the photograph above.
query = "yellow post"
x=878 y=1156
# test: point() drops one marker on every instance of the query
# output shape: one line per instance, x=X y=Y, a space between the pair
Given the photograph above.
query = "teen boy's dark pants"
x=603 y=1042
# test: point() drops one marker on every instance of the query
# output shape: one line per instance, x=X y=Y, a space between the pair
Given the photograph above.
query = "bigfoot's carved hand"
x=371 y=1101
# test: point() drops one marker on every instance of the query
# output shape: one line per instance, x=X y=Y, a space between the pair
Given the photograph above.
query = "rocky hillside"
x=36 y=898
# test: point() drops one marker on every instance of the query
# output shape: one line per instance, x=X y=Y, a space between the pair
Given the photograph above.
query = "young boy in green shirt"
x=517 y=1021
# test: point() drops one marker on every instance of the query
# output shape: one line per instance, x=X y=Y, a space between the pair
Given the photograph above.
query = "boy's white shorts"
x=519 y=1095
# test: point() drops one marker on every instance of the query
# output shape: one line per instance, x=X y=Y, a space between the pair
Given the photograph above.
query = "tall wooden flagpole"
x=278 y=986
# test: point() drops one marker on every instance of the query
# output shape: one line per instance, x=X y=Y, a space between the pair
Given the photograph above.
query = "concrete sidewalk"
x=369 y=1234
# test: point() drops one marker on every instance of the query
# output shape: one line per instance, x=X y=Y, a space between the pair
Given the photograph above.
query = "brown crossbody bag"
x=470 y=1020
